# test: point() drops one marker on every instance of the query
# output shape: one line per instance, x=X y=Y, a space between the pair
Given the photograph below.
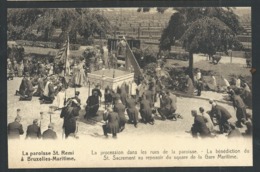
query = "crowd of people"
x=123 y=105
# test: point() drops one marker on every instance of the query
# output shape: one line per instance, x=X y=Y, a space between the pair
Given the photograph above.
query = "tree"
x=204 y=30
x=86 y=22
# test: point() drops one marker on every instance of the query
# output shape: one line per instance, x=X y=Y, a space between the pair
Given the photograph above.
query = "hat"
x=77 y=93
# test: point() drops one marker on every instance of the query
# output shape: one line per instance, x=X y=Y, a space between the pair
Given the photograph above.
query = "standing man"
x=69 y=114
x=49 y=134
x=33 y=130
x=15 y=129
x=240 y=107
x=112 y=122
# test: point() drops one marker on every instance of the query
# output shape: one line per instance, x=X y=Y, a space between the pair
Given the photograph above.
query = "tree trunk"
x=191 y=66
x=46 y=34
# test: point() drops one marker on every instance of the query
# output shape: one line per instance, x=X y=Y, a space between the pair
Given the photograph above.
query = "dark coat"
x=123 y=96
x=49 y=134
x=149 y=97
x=14 y=130
x=41 y=85
x=130 y=103
x=69 y=113
x=112 y=119
x=29 y=88
x=120 y=109
x=98 y=92
x=240 y=106
x=33 y=131
x=222 y=114
x=132 y=112
x=145 y=110
x=22 y=87
x=199 y=126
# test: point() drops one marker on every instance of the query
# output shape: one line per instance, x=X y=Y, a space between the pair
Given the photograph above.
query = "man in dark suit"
x=240 y=107
x=28 y=91
x=97 y=90
x=49 y=134
x=146 y=111
x=15 y=129
x=120 y=109
x=132 y=111
x=33 y=131
x=222 y=115
x=92 y=105
x=22 y=88
x=112 y=125
x=199 y=126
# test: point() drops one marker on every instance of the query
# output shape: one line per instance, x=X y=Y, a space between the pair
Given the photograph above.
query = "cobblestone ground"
x=92 y=128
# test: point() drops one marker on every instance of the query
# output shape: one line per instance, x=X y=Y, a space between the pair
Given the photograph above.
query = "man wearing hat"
x=15 y=129
x=49 y=134
x=92 y=104
x=33 y=130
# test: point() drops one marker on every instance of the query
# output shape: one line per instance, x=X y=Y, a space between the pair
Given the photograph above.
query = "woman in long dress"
x=79 y=76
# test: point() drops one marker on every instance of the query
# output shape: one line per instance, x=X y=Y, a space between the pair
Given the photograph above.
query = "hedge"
x=46 y=44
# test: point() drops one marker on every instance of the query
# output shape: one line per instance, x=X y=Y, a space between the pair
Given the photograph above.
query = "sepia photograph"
x=129 y=87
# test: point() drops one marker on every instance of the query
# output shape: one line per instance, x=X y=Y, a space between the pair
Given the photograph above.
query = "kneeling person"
x=112 y=125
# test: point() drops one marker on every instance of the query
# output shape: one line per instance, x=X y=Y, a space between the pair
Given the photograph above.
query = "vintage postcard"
x=129 y=87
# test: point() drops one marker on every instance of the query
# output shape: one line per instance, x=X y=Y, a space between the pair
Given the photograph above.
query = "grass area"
x=226 y=70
